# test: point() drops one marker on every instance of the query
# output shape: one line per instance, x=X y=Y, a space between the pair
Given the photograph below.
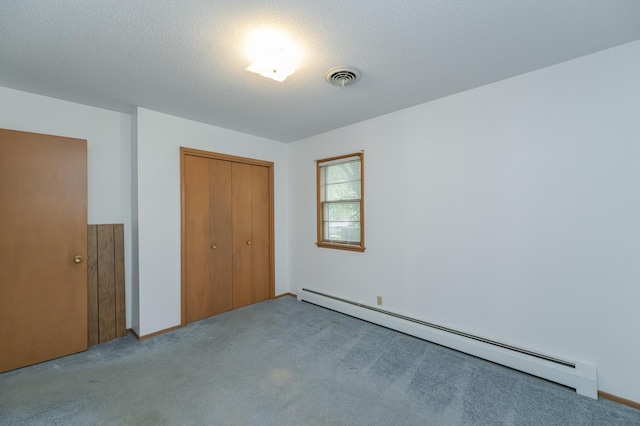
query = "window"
x=341 y=202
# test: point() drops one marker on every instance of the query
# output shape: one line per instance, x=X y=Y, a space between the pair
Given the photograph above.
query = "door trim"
x=184 y=152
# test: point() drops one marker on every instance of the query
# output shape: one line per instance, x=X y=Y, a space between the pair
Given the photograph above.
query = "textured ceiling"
x=185 y=57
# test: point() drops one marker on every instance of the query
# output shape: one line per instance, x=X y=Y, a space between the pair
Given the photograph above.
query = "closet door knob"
x=77 y=259
x=213 y=246
x=249 y=242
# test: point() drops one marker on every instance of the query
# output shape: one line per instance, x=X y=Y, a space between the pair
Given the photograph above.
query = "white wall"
x=159 y=137
x=135 y=258
x=108 y=136
x=511 y=211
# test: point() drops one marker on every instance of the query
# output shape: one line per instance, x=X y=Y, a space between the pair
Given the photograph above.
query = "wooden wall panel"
x=106 y=284
x=106 y=298
x=118 y=249
x=92 y=285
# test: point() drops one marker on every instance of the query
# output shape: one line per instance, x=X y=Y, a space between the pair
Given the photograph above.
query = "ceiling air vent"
x=342 y=76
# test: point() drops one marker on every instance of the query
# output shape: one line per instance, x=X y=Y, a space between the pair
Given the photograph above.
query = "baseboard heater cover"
x=574 y=374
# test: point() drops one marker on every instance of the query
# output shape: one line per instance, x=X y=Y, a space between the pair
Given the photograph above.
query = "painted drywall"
x=159 y=138
x=135 y=258
x=511 y=211
x=108 y=136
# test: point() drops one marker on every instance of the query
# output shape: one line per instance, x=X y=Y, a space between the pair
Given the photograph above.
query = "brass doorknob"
x=213 y=246
x=77 y=259
x=249 y=242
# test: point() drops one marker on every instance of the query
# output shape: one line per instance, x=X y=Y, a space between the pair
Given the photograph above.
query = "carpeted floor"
x=286 y=362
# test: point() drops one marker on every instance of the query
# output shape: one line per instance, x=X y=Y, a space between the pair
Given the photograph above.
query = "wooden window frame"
x=321 y=241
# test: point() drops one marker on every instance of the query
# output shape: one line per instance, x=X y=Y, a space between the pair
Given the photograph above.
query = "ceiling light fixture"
x=273 y=54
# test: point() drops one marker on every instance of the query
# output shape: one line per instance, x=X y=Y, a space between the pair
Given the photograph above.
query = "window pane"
x=342 y=231
x=343 y=172
x=343 y=191
x=342 y=212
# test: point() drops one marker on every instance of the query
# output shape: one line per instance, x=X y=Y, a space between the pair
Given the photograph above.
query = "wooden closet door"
x=251 y=234
x=196 y=199
x=227 y=212
x=43 y=247
x=221 y=236
x=242 y=242
x=260 y=229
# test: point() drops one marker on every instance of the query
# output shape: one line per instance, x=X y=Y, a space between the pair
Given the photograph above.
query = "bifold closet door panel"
x=261 y=232
x=221 y=236
x=242 y=243
x=197 y=247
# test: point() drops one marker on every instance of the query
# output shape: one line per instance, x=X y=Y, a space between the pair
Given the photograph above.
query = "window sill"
x=341 y=247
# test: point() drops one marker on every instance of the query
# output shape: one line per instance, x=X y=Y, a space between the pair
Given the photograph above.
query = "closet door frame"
x=184 y=152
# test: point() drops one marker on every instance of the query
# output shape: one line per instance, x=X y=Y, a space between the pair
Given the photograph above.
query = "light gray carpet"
x=286 y=362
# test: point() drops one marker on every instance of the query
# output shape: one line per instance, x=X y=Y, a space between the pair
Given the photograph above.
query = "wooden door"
x=43 y=248
x=242 y=242
x=251 y=239
x=208 y=239
x=227 y=233
x=260 y=226
x=221 y=236
x=196 y=199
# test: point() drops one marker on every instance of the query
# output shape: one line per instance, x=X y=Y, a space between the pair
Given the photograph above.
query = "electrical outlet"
x=379 y=300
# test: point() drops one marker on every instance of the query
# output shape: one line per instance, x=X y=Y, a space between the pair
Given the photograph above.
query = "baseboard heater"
x=574 y=374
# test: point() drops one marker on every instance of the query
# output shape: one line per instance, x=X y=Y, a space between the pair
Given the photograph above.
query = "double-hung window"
x=341 y=202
